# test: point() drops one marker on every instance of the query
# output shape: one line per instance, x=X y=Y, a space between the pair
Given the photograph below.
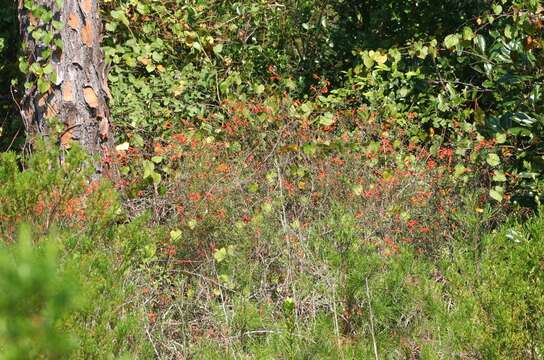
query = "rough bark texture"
x=78 y=97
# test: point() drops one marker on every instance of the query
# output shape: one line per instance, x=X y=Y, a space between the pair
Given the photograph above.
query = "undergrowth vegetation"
x=296 y=180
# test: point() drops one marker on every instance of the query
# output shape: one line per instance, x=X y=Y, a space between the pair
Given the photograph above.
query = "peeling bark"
x=79 y=96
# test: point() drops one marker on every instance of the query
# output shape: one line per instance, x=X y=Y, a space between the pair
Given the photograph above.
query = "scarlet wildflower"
x=159 y=150
x=222 y=168
x=180 y=138
x=152 y=317
x=220 y=213
x=424 y=229
x=288 y=186
x=444 y=153
x=407 y=240
x=194 y=196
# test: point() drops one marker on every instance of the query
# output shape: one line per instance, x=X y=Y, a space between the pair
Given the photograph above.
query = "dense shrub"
x=297 y=179
x=63 y=291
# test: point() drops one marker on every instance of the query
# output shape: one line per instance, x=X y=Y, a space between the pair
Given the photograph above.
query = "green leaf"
x=57 y=25
x=499 y=176
x=192 y=224
x=217 y=49
x=259 y=89
x=379 y=58
x=197 y=45
x=23 y=66
x=495 y=195
x=35 y=68
x=157 y=57
x=111 y=26
x=480 y=43
x=451 y=41
x=497 y=9
x=220 y=254
x=175 y=234
x=357 y=189
x=150 y=67
x=508 y=31
x=157 y=159
x=149 y=168
x=326 y=119
x=500 y=138
x=468 y=34
x=493 y=159
x=460 y=169
x=43 y=85
x=367 y=60
x=48 y=69
x=156 y=177
x=309 y=149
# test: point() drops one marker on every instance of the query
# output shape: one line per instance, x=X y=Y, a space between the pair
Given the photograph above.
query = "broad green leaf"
x=47 y=69
x=468 y=34
x=367 y=60
x=493 y=159
x=157 y=159
x=480 y=43
x=495 y=195
x=192 y=224
x=259 y=89
x=149 y=168
x=309 y=149
x=500 y=138
x=380 y=58
x=217 y=49
x=499 y=176
x=451 y=41
x=460 y=169
x=43 y=85
x=220 y=254
x=357 y=189
x=497 y=9
x=175 y=234
x=156 y=177
x=326 y=119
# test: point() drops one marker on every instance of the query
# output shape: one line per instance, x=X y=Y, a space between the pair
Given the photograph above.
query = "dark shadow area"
x=11 y=127
x=373 y=24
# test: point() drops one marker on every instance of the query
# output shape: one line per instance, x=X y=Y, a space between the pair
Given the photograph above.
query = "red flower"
x=194 y=196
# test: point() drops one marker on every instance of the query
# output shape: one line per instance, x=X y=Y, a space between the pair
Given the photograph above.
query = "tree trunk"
x=66 y=92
